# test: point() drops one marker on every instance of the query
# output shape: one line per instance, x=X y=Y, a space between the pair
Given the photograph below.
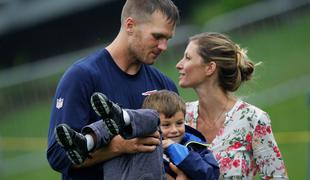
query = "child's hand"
x=167 y=142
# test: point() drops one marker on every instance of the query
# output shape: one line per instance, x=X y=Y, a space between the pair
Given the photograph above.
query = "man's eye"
x=180 y=122
x=159 y=36
x=156 y=36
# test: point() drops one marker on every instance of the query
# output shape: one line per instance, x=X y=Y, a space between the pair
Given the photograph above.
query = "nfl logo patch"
x=147 y=93
x=59 y=103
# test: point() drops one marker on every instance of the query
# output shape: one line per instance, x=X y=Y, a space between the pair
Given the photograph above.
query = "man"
x=122 y=71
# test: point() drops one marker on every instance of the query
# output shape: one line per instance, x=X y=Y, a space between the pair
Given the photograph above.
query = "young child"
x=185 y=147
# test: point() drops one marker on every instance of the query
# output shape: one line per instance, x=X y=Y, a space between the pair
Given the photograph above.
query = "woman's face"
x=191 y=67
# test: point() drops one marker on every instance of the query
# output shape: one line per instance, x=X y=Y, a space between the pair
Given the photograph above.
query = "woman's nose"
x=179 y=65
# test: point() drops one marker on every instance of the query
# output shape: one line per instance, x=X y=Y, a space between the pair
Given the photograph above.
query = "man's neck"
x=123 y=59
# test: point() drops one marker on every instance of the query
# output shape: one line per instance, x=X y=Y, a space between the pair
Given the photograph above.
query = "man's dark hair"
x=143 y=9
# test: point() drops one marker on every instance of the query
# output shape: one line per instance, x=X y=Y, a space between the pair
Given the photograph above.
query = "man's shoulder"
x=90 y=63
x=91 y=58
x=159 y=78
x=153 y=69
x=156 y=72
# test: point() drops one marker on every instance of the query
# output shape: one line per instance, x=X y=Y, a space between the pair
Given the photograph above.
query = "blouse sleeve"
x=191 y=114
x=266 y=152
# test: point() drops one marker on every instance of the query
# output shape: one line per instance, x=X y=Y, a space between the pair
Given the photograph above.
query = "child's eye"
x=165 y=125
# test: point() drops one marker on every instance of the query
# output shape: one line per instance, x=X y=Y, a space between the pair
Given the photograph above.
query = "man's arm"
x=119 y=146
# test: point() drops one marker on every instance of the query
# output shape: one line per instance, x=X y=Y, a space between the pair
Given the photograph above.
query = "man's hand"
x=119 y=146
x=141 y=144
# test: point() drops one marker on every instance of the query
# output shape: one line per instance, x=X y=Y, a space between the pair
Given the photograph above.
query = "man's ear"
x=210 y=68
x=129 y=25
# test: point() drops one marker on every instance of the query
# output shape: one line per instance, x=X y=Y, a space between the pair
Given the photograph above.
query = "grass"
x=31 y=121
x=41 y=173
x=283 y=49
x=27 y=129
x=292 y=116
x=277 y=112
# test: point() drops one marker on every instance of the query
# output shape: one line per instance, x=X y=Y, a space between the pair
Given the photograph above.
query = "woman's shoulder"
x=245 y=108
x=242 y=105
x=191 y=113
x=192 y=107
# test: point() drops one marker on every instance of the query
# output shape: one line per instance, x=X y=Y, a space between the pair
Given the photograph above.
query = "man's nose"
x=163 y=44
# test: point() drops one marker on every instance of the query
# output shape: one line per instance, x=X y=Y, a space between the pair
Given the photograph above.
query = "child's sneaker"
x=111 y=113
x=74 y=143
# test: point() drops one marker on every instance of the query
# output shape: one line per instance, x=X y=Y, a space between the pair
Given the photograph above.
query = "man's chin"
x=152 y=58
x=150 y=62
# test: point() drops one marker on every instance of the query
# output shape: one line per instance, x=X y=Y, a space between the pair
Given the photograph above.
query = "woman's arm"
x=266 y=151
x=180 y=174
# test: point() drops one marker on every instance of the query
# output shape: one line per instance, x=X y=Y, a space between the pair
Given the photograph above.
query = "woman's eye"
x=187 y=57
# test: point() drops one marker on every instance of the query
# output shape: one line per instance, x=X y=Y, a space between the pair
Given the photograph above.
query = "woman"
x=240 y=133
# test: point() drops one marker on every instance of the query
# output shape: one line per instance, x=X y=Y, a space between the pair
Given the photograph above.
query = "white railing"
x=252 y=13
x=15 y=14
x=226 y=22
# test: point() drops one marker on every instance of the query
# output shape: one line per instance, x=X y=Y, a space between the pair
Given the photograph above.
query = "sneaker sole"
x=65 y=141
x=99 y=104
x=101 y=107
x=63 y=137
x=73 y=153
x=112 y=126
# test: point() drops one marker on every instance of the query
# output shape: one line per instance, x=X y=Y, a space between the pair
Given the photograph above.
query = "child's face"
x=173 y=128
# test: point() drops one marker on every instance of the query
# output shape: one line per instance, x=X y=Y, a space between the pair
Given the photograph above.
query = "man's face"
x=173 y=128
x=150 y=38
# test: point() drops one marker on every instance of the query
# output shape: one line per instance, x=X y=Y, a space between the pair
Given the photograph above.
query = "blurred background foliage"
x=203 y=11
x=280 y=85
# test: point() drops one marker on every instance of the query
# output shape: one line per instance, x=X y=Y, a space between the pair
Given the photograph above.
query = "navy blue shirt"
x=71 y=105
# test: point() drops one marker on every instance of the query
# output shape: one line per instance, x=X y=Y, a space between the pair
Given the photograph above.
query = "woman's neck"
x=212 y=107
x=213 y=104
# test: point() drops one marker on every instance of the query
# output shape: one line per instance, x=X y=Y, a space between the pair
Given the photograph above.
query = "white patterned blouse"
x=245 y=145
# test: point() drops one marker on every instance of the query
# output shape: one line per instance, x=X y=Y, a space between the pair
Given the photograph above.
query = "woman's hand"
x=180 y=174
